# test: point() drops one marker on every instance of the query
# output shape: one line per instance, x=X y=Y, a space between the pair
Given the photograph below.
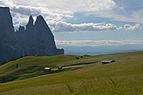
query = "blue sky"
x=78 y=11
x=84 y=19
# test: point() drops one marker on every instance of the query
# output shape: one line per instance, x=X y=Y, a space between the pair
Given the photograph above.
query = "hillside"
x=123 y=77
x=31 y=66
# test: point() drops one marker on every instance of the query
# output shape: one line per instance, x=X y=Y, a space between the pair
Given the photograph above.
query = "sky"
x=80 y=15
x=80 y=22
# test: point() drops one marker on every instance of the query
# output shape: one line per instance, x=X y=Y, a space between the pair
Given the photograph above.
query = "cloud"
x=72 y=5
x=66 y=27
x=57 y=14
x=94 y=43
x=98 y=5
x=133 y=27
x=7 y=3
x=55 y=18
x=19 y=19
x=35 y=11
x=69 y=27
x=26 y=10
x=21 y=14
x=125 y=13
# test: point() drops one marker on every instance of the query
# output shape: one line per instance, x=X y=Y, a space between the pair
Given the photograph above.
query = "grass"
x=33 y=66
x=124 y=77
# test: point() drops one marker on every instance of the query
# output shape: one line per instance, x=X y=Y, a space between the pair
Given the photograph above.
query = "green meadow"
x=122 y=77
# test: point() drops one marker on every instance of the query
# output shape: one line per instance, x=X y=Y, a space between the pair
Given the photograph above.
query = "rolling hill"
x=123 y=77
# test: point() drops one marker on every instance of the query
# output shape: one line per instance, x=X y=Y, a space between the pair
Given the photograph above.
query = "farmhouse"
x=107 y=61
x=47 y=69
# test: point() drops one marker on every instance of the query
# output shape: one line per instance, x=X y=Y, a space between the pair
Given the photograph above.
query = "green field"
x=123 y=77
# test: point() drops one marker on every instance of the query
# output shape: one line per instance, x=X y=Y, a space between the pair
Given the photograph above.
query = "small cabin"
x=47 y=69
x=107 y=61
x=60 y=67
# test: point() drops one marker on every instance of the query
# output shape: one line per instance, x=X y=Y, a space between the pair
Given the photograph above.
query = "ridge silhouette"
x=34 y=40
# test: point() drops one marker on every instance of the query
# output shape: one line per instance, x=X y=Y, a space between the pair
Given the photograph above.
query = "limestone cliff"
x=34 y=40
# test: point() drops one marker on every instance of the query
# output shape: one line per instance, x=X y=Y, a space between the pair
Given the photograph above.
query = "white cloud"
x=72 y=5
x=19 y=19
x=21 y=13
x=66 y=27
x=26 y=10
x=94 y=43
x=56 y=14
x=98 y=5
x=133 y=27
x=7 y=3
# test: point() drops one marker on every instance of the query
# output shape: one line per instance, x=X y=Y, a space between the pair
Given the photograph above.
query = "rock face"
x=36 y=40
x=6 y=32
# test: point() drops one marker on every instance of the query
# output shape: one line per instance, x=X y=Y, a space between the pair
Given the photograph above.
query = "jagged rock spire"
x=30 y=23
x=46 y=36
x=21 y=29
x=41 y=24
x=6 y=23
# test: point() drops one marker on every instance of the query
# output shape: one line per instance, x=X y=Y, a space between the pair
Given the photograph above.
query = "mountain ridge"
x=35 y=40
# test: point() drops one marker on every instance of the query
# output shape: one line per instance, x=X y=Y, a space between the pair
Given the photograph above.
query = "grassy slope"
x=33 y=66
x=35 y=61
x=124 y=77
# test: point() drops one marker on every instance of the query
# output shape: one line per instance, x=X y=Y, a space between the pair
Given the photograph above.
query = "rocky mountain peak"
x=6 y=23
x=40 y=22
x=30 y=23
x=36 y=40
